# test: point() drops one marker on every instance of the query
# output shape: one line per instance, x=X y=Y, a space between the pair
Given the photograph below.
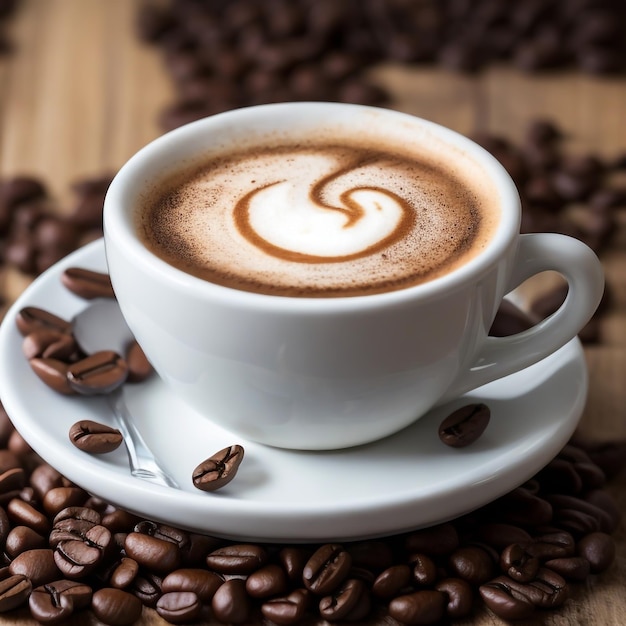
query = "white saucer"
x=404 y=482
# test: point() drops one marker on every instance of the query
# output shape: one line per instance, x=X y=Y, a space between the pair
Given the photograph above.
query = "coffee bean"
x=597 y=548
x=500 y=535
x=459 y=597
x=287 y=610
x=49 y=343
x=115 y=607
x=201 y=582
x=551 y=545
x=518 y=564
x=31 y=318
x=124 y=573
x=22 y=538
x=392 y=581
x=95 y=438
x=471 y=563
x=268 y=581
x=343 y=601
x=219 y=469
x=21 y=512
x=424 y=570
x=37 y=565
x=231 y=603
x=465 y=425
x=179 y=607
x=420 y=607
x=293 y=559
x=326 y=569
x=79 y=556
x=56 y=602
x=53 y=373
x=242 y=558
x=153 y=553
x=101 y=372
x=14 y=592
x=502 y=599
x=139 y=368
x=146 y=586
x=87 y=283
x=571 y=568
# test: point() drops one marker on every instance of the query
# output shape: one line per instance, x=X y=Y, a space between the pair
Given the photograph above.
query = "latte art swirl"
x=287 y=221
x=315 y=220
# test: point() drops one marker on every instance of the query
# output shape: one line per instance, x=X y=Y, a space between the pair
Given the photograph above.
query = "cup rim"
x=118 y=225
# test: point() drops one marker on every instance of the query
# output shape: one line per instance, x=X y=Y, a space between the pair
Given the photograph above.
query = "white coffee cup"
x=324 y=373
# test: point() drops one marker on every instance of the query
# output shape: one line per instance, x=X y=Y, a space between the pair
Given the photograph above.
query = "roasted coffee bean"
x=231 y=603
x=219 y=469
x=504 y=602
x=56 y=602
x=268 y=581
x=287 y=610
x=520 y=506
x=37 y=565
x=80 y=556
x=115 y=607
x=326 y=569
x=575 y=514
x=179 y=607
x=471 y=563
x=23 y=538
x=343 y=601
x=372 y=555
x=459 y=596
x=599 y=549
x=139 y=368
x=518 y=564
x=87 y=283
x=465 y=425
x=95 y=438
x=49 y=343
x=241 y=558
x=14 y=592
x=12 y=481
x=21 y=512
x=163 y=531
x=101 y=372
x=201 y=582
x=31 y=318
x=605 y=501
x=62 y=497
x=420 y=607
x=124 y=573
x=424 y=570
x=392 y=581
x=153 y=553
x=571 y=568
x=146 y=586
x=293 y=559
x=53 y=373
x=551 y=545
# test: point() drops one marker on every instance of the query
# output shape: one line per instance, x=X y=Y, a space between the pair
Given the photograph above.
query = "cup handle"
x=539 y=252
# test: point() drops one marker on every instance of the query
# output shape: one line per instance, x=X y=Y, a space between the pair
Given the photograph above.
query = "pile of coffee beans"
x=65 y=551
x=35 y=232
x=226 y=54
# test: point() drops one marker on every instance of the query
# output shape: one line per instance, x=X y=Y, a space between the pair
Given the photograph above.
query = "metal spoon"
x=100 y=326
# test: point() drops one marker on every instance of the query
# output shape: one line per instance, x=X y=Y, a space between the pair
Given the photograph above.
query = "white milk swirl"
x=314 y=220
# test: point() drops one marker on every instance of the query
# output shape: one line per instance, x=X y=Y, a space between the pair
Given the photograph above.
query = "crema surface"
x=315 y=220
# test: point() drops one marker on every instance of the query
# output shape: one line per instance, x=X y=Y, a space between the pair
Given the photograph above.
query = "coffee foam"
x=313 y=219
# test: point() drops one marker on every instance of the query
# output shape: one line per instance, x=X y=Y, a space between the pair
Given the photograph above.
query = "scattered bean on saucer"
x=94 y=437
x=465 y=425
x=219 y=469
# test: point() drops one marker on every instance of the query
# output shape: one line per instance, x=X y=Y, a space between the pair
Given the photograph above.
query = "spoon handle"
x=142 y=462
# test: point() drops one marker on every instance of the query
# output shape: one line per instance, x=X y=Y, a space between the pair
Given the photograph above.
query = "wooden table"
x=80 y=95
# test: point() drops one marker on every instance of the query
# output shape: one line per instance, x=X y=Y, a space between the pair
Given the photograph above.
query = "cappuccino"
x=318 y=218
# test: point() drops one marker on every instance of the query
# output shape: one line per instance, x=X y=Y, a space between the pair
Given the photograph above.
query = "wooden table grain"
x=80 y=94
